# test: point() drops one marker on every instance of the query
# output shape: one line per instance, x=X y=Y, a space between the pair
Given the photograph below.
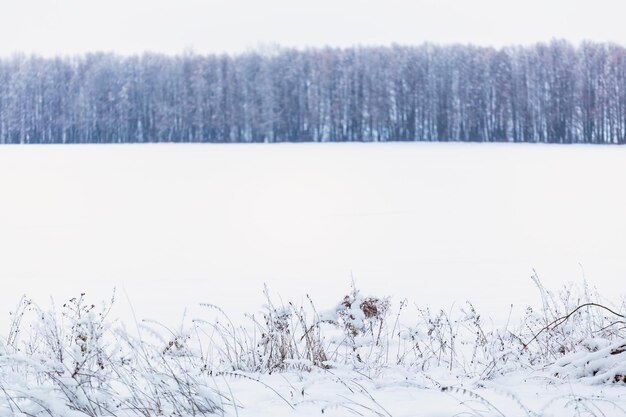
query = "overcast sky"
x=52 y=27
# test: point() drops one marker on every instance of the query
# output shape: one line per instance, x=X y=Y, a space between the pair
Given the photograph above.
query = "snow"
x=175 y=225
x=398 y=395
x=172 y=226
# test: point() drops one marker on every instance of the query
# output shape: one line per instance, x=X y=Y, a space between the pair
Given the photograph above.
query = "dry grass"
x=74 y=360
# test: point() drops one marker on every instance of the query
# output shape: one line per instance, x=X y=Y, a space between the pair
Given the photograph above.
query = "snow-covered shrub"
x=363 y=329
x=598 y=361
x=360 y=332
x=75 y=362
x=279 y=338
x=567 y=321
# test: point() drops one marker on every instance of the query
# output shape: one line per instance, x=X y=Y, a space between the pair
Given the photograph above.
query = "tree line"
x=554 y=93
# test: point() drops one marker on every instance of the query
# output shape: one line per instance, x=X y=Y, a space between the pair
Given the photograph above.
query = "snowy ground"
x=174 y=225
x=439 y=223
x=346 y=394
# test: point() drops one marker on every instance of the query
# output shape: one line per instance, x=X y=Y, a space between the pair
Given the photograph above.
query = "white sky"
x=51 y=27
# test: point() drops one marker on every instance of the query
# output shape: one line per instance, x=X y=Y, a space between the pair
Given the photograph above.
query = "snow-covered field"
x=438 y=223
x=174 y=225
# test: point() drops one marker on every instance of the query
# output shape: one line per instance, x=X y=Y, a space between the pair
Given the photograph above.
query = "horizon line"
x=273 y=48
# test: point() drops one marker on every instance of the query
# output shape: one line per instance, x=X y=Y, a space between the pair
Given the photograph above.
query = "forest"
x=552 y=92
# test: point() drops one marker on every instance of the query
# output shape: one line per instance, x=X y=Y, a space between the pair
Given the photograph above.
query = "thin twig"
x=563 y=319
